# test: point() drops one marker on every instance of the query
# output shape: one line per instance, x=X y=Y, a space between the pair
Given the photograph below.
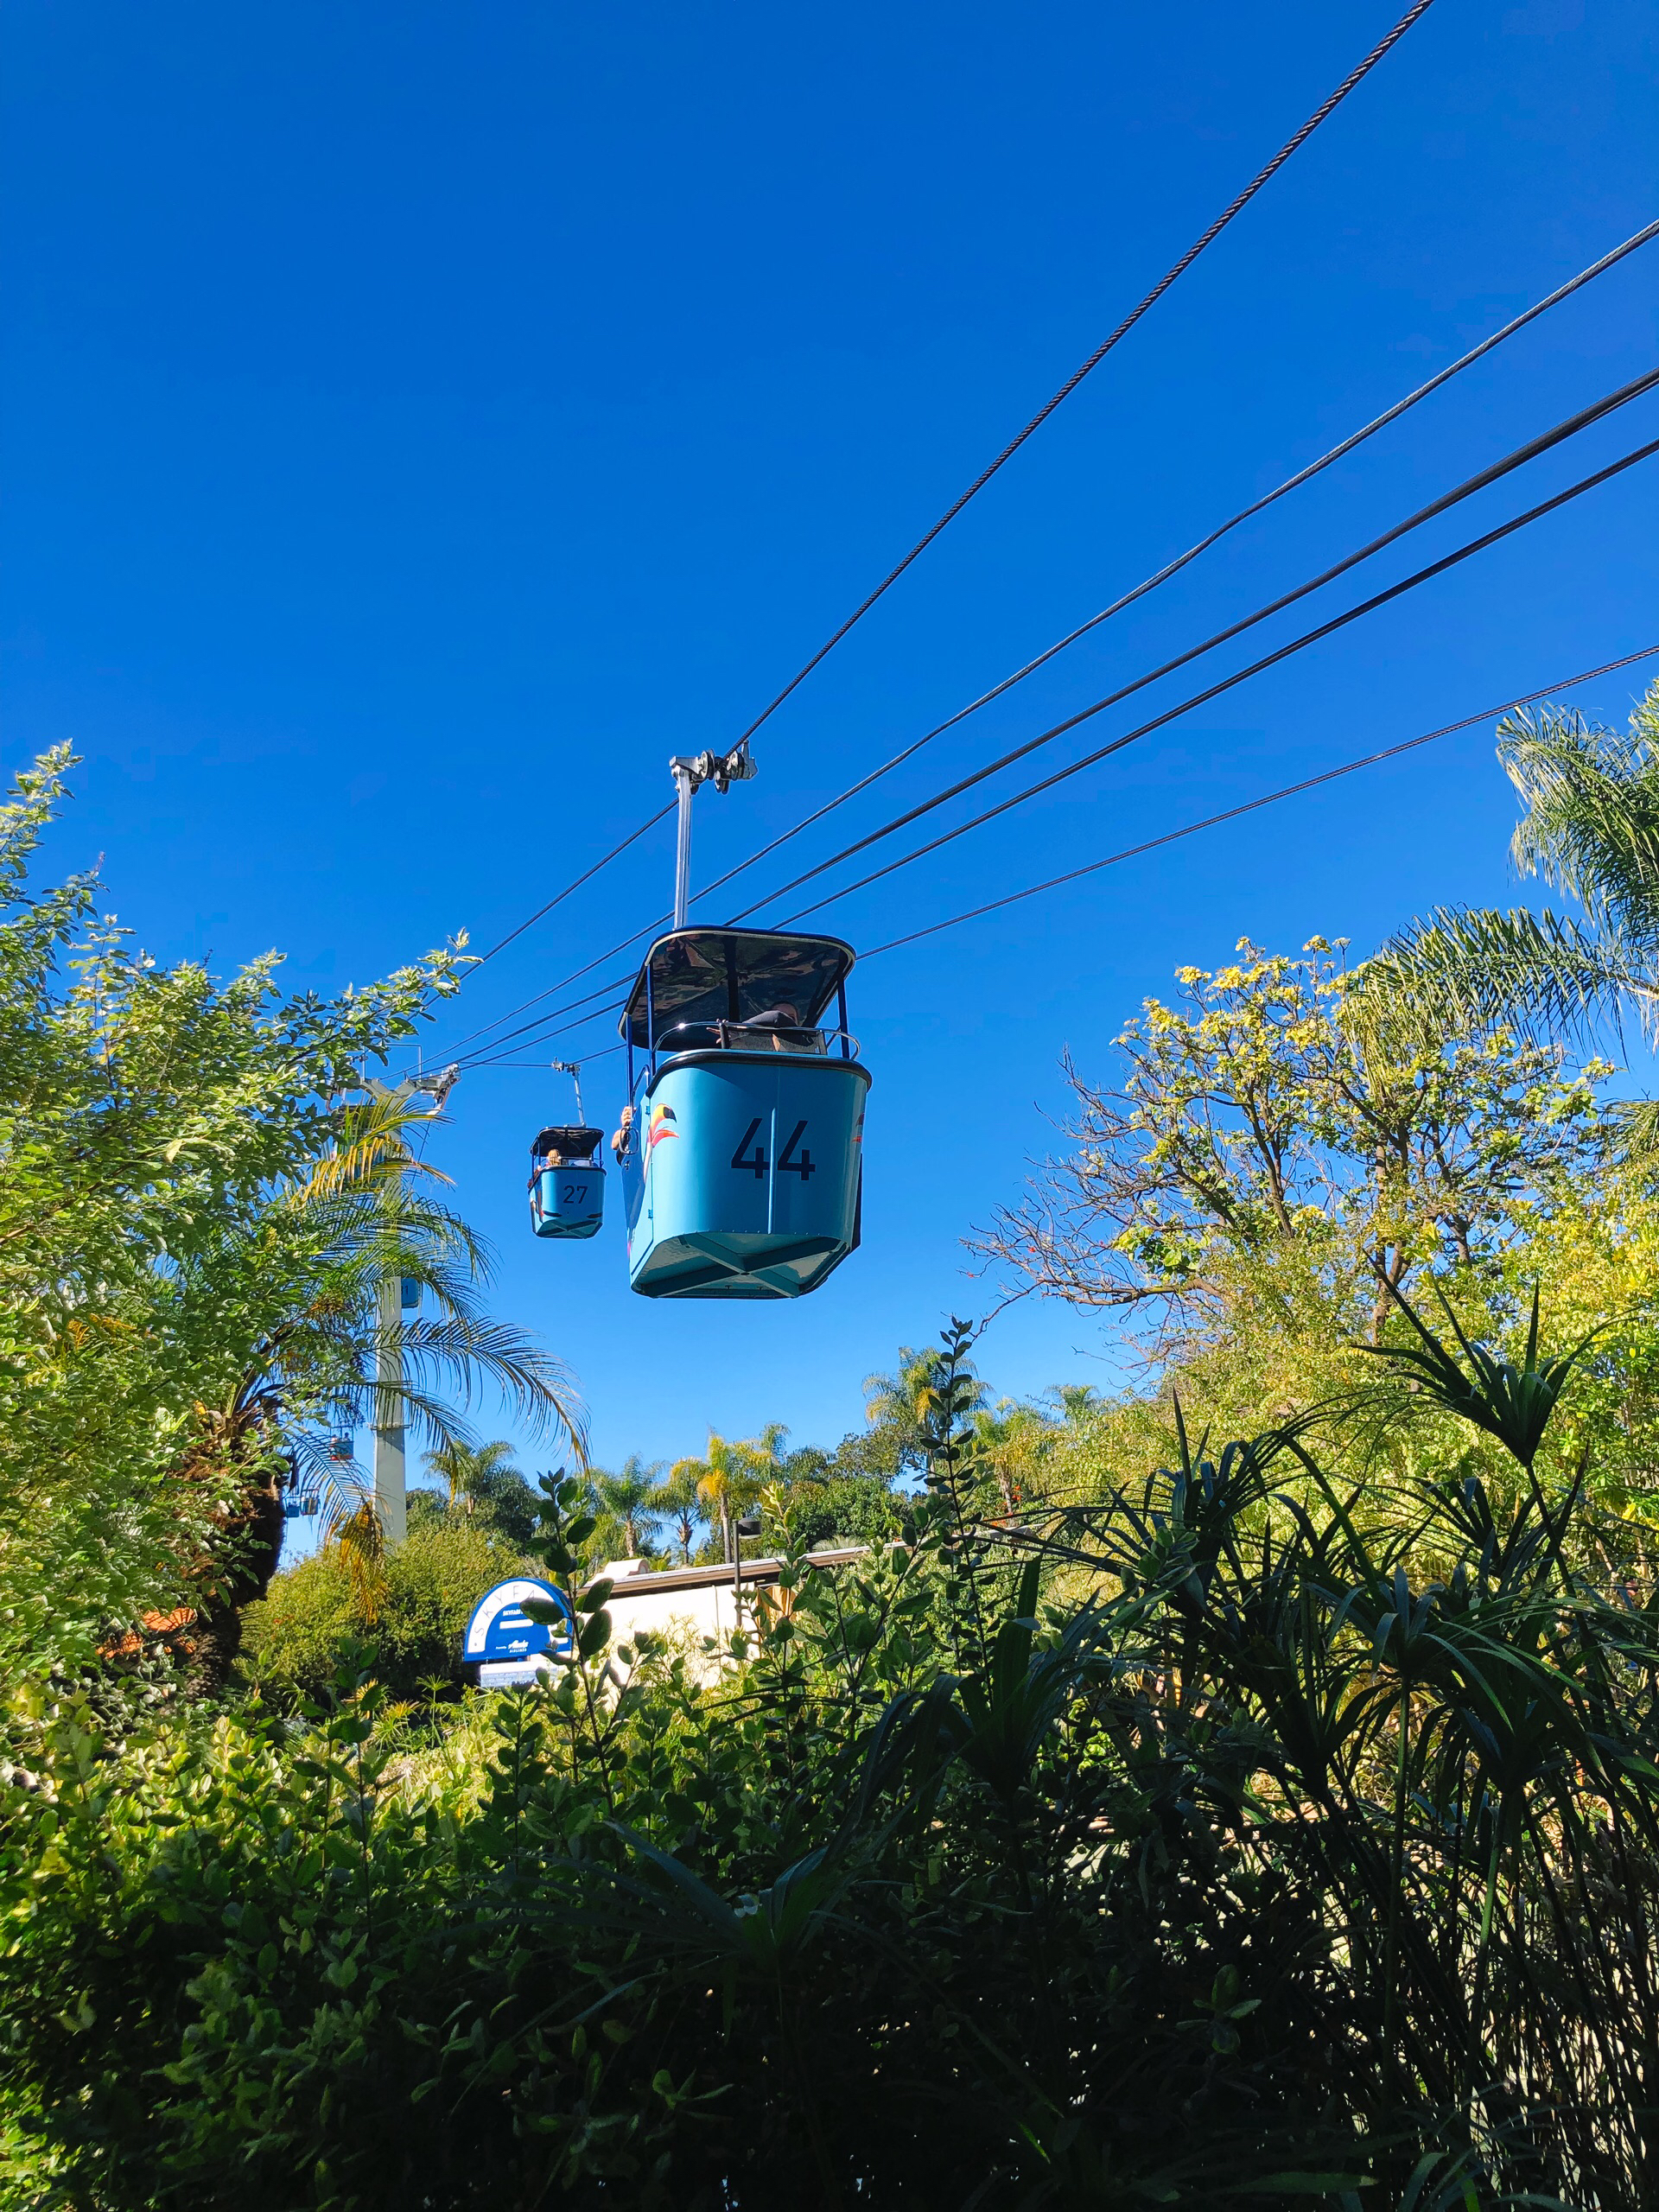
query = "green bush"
x=293 y=1639
x=1313 y=1855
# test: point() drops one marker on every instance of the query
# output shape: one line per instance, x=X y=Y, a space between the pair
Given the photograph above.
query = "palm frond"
x=1510 y=1403
x=466 y=1349
x=1591 y=824
x=372 y=1153
x=1636 y=1133
x=1467 y=970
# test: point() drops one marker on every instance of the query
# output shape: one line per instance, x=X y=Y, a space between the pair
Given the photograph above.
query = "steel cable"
x=1283 y=652
x=1183 y=560
x=1296 y=645
x=1128 y=598
x=1326 y=107
x=1268 y=798
x=1518 y=458
x=1214 y=690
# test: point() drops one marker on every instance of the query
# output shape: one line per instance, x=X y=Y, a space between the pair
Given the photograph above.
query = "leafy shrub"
x=293 y=1639
x=1276 y=1869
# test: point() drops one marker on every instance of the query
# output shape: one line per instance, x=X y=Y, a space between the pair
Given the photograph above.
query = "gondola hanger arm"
x=690 y=771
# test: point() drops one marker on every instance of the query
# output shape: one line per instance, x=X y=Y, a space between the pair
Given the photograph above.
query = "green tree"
x=1254 y=1152
x=470 y=1472
x=414 y=1610
x=194 y=1222
x=681 y=1506
x=1079 y=1403
x=730 y=1478
x=633 y=1500
x=486 y=1480
x=896 y=1410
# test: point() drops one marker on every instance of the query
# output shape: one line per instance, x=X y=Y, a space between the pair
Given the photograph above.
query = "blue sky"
x=420 y=422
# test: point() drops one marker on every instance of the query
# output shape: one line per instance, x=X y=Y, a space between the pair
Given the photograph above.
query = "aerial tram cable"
x=551 y=990
x=1518 y=458
x=1212 y=821
x=632 y=838
x=1326 y=107
x=1267 y=798
x=1229 y=683
x=690 y=773
x=1173 y=568
x=483 y=1029
x=554 y=1015
x=1185 y=560
x=1208 y=821
x=1484 y=477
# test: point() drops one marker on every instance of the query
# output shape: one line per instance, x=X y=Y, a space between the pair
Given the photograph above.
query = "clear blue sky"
x=419 y=421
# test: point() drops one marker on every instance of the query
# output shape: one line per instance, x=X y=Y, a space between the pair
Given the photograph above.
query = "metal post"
x=690 y=771
x=573 y=1069
x=390 y=1461
x=685 y=783
x=390 y=1491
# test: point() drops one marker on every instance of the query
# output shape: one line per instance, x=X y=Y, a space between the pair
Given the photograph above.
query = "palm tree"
x=679 y=1498
x=902 y=1398
x=1077 y=1403
x=1591 y=830
x=733 y=1475
x=471 y=1473
x=900 y=1404
x=364 y=1217
x=633 y=1500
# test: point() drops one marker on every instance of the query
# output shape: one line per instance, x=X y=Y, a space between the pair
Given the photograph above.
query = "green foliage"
x=1256 y=1154
x=196 y=1221
x=482 y=1480
x=1279 y=1826
x=1316 y=1854
x=148 y=1117
x=1253 y=1198
x=293 y=1638
x=1591 y=829
x=633 y=1504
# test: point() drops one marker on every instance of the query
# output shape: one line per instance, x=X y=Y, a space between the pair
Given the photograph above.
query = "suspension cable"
x=1268 y=798
x=1201 y=698
x=632 y=838
x=1297 y=645
x=1515 y=459
x=1208 y=821
x=1185 y=560
x=1142 y=590
x=1326 y=108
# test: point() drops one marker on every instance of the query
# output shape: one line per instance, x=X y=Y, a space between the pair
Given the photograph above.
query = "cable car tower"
x=742 y=1143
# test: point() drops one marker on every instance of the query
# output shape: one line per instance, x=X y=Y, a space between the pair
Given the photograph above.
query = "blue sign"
x=500 y=1629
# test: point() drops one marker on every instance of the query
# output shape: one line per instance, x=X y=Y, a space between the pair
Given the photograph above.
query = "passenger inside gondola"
x=779 y=1029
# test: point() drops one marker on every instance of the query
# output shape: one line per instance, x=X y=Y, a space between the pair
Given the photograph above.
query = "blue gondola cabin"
x=742 y=1146
x=567 y=1184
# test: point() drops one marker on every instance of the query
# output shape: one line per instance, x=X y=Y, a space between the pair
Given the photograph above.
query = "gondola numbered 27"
x=567 y=1183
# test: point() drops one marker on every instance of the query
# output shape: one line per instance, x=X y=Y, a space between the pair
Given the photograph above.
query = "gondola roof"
x=730 y=975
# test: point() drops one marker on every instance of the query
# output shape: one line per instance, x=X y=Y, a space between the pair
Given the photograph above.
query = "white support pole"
x=690 y=771
x=390 y=1468
x=390 y=1491
x=686 y=781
